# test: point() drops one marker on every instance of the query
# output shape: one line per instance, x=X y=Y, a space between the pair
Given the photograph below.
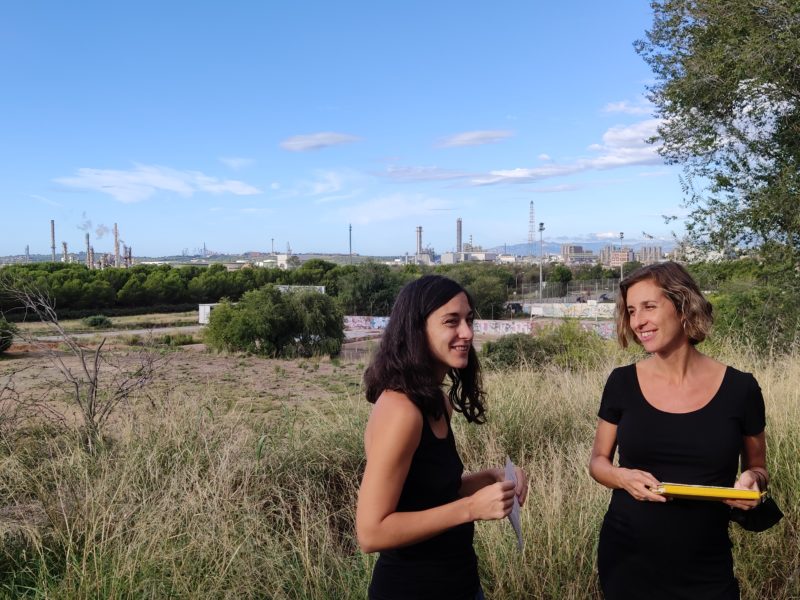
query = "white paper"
x=513 y=517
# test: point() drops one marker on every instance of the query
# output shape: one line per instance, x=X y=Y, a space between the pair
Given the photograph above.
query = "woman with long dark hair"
x=416 y=506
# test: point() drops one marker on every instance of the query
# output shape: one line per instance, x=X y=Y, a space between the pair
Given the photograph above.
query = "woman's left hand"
x=521 y=489
x=747 y=481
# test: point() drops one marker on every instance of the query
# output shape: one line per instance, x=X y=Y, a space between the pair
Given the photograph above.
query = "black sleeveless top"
x=441 y=567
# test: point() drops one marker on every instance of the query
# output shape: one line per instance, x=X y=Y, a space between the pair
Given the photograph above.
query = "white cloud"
x=550 y=189
x=606 y=235
x=330 y=185
x=143 y=181
x=544 y=157
x=475 y=138
x=623 y=146
x=640 y=107
x=316 y=141
x=403 y=174
x=236 y=162
x=392 y=208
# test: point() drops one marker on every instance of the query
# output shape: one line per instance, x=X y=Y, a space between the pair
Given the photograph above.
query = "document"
x=513 y=517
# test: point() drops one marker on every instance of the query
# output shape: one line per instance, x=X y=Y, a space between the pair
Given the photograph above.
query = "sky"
x=253 y=125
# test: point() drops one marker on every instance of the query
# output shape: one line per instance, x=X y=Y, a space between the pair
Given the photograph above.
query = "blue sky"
x=235 y=124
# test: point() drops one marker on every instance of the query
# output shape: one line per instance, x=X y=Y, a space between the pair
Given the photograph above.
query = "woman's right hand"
x=492 y=501
x=638 y=484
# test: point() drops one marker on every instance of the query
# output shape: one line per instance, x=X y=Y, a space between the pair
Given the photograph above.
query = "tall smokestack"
x=27 y=253
x=116 y=246
x=419 y=240
x=458 y=234
x=53 y=239
x=91 y=257
x=64 y=246
x=88 y=253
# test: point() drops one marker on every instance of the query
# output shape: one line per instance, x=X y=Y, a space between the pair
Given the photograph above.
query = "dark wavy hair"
x=404 y=362
x=694 y=311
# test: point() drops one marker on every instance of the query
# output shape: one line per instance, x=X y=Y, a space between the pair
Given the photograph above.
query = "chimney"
x=458 y=234
x=53 y=239
x=419 y=240
x=116 y=246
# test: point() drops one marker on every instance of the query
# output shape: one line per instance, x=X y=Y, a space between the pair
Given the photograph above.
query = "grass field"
x=236 y=477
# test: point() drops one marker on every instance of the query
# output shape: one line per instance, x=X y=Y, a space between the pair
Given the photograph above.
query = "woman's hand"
x=639 y=484
x=522 y=485
x=492 y=501
x=748 y=480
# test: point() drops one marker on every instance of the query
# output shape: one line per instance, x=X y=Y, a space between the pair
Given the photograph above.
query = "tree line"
x=366 y=289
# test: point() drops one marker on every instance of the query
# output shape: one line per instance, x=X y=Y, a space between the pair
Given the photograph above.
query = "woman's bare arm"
x=637 y=483
x=391 y=438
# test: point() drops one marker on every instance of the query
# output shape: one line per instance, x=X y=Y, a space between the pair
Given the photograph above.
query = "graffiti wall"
x=359 y=323
x=575 y=310
x=488 y=327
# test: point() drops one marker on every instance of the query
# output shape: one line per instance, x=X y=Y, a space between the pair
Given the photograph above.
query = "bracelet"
x=761 y=480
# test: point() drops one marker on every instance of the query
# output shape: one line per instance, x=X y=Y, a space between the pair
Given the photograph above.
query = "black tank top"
x=444 y=566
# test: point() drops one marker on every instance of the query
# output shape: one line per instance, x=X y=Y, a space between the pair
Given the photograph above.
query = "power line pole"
x=541 y=257
x=621 y=235
x=531 y=229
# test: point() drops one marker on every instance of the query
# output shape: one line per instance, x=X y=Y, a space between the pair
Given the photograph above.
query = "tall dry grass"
x=197 y=498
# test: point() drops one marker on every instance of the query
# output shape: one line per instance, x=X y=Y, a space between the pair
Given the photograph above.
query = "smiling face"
x=653 y=318
x=449 y=333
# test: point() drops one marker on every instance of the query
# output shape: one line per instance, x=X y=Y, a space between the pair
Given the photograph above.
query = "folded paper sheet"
x=513 y=517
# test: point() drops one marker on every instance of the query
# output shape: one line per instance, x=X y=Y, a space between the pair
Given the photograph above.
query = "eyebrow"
x=457 y=314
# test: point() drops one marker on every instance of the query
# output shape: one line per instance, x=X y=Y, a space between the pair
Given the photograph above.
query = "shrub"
x=175 y=339
x=275 y=324
x=7 y=332
x=566 y=345
x=97 y=321
x=764 y=315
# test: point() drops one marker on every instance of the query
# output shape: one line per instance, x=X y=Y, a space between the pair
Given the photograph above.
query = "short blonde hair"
x=674 y=280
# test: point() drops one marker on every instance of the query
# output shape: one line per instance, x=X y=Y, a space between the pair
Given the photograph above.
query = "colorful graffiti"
x=488 y=327
x=358 y=323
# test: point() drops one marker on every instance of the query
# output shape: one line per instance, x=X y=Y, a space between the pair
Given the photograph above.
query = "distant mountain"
x=594 y=246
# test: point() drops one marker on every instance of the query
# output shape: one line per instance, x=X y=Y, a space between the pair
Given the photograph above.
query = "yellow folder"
x=706 y=492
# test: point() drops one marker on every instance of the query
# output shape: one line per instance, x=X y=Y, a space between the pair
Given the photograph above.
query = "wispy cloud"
x=254 y=210
x=544 y=157
x=143 y=181
x=622 y=146
x=475 y=138
x=329 y=185
x=317 y=141
x=639 y=107
x=236 y=162
x=407 y=174
x=392 y=208
x=551 y=189
x=44 y=200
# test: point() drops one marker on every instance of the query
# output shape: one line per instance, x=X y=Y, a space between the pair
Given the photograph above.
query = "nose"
x=465 y=330
x=636 y=321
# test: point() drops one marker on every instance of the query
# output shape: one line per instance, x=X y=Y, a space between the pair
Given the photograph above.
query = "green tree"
x=7 y=332
x=728 y=94
x=370 y=289
x=271 y=323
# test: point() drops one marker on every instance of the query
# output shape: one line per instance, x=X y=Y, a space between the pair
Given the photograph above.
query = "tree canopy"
x=728 y=93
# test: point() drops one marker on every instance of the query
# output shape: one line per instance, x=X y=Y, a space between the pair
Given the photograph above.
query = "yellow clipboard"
x=706 y=492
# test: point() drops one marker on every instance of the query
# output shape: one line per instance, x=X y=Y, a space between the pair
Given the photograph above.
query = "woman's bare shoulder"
x=395 y=417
